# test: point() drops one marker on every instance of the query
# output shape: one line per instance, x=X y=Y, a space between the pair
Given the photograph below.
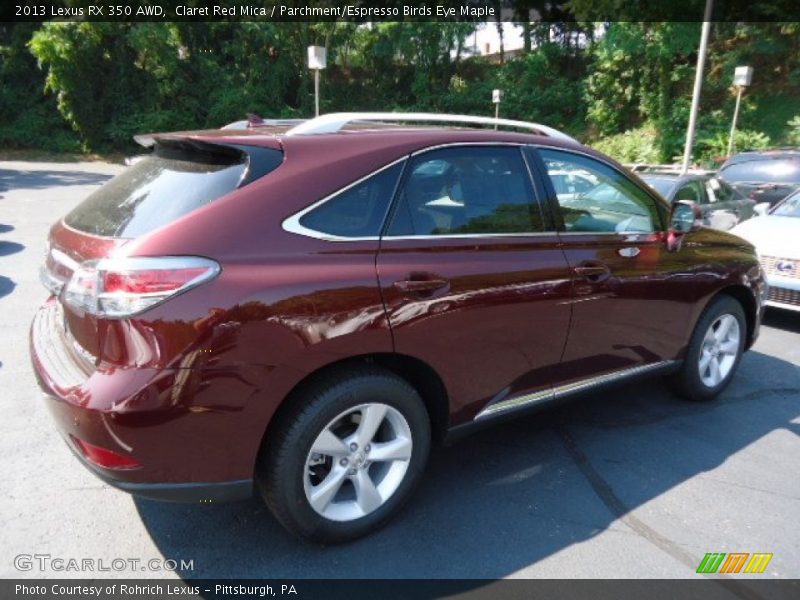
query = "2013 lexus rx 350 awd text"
x=303 y=312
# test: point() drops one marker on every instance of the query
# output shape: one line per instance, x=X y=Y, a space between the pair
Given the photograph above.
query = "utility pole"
x=698 y=85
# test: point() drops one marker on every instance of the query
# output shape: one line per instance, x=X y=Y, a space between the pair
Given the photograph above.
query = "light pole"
x=317 y=60
x=742 y=77
x=497 y=96
x=698 y=85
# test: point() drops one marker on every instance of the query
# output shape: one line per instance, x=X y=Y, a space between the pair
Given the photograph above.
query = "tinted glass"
x=158 y=190
x=692 y=191
x=466 y=190
x=719 y=191
x=358 y=211
x=772 y=170
x=613 y=203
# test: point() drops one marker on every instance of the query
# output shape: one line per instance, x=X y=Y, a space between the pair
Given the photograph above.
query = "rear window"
x=170 y=183
x=771 y=170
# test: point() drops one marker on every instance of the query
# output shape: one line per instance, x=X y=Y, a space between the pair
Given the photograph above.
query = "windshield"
x=790 y=207
x=660 y=184
x=769 y=170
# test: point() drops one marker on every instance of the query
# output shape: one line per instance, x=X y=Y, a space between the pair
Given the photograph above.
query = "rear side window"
x=357 y=211
x=170 y=183
x=771 y=170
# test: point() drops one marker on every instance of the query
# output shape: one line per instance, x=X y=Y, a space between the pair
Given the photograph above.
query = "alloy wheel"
x=719 y=350
x=357 y=462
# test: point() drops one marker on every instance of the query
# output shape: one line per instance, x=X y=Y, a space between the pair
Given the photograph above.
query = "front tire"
x=347 y=458
x=714 y=351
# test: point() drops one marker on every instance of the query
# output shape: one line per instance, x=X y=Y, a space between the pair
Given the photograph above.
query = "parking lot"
x=631 y=483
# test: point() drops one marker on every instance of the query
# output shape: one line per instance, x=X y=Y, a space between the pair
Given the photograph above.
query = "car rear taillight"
x=122 y=287
x=103 y=457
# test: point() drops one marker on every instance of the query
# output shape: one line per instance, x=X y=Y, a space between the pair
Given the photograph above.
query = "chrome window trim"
x=292 y=224
x=565 y=390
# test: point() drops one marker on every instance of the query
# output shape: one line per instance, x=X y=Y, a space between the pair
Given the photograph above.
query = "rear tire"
x=714 y=351
x=348 y=457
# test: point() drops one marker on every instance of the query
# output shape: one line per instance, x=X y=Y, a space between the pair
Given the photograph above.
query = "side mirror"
x=684 y=217
x=761 y=209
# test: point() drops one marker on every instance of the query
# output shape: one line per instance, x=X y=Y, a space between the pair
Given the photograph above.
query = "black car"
x=722 y=206
x=765 y=175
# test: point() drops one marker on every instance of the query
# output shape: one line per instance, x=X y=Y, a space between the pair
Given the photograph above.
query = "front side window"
x=466 y=191
x=719 y=191
x=606 y=202
x=691 y=191
x=358 y=211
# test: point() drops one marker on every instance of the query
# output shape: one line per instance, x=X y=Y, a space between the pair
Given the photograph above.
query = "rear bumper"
x=184 y=427
x=190 y=493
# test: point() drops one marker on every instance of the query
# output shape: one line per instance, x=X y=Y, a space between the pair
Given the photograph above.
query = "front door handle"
x=420 y=285
x=593 y=272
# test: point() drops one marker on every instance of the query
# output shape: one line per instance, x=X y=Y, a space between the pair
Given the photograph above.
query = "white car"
x=776 y=236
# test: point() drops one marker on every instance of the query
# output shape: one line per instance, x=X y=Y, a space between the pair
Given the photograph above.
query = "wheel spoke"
x=397 y=449
x=731 y=347
x=367 y=495
x=322 y=494
x=327 y=443
x=713 y=371
x=371 y=418
x=725 y=323
x=705 y=359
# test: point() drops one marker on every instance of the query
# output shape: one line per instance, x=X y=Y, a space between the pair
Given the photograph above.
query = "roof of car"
x=753 y=155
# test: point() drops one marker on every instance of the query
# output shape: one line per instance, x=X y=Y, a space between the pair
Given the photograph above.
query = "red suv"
x=304 y=312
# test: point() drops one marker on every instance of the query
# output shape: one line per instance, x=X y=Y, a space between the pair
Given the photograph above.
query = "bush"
x=634 y=146
x=715 y=147
x=793 y=135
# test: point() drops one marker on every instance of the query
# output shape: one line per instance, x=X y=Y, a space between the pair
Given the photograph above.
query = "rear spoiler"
x=260 y=160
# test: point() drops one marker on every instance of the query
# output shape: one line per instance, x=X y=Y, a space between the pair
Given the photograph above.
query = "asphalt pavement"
x=631 y=483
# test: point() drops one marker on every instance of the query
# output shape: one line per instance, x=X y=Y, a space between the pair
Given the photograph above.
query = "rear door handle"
x=420 y=286
x=593 y=272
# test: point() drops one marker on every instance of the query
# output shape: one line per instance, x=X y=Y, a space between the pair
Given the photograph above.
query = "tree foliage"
x=624 y=85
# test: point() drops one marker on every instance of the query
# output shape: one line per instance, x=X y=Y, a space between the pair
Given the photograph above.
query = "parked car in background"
x=304 y=313
x=776 y=237
x=722 y=206
x=764 y=175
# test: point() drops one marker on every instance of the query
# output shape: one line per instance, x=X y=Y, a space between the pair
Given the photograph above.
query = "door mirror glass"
x=684 y=217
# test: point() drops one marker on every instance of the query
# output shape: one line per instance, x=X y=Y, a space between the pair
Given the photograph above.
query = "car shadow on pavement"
x=510 y=496
x=782 y=319
x=35 y=179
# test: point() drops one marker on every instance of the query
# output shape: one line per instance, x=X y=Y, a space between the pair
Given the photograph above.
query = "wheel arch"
x=744 y=296
x=421 y=376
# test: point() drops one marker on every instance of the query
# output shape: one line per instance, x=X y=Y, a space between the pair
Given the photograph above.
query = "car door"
x=625 y=316
x=474 y=284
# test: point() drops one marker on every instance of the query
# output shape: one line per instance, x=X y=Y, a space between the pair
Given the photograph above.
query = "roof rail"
x=334 y=122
